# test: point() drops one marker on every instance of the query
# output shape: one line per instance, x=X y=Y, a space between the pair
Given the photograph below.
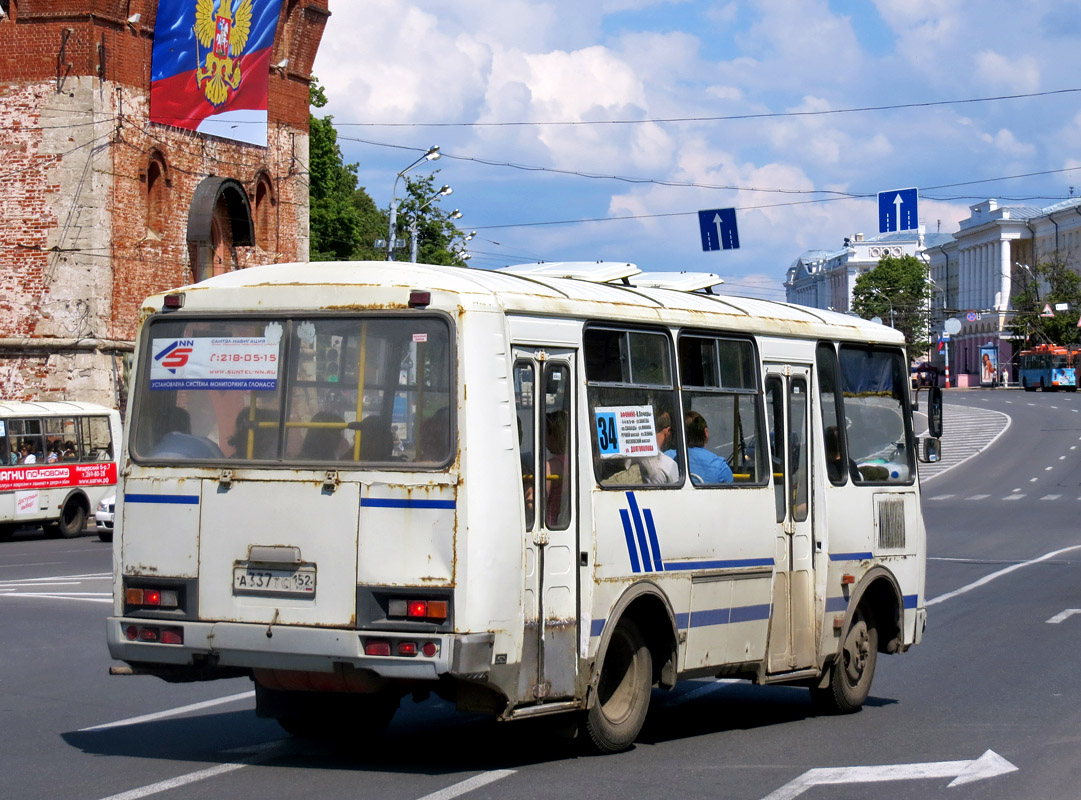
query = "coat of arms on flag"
x=211 y=66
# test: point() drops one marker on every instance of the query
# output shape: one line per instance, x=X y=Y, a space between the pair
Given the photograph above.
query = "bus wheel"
x=853 y=669
x=72 y=520
x=345 y=718
x=623 y=690
x=7 y=531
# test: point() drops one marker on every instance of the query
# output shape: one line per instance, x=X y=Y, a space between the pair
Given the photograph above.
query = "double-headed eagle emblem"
x=224 y=35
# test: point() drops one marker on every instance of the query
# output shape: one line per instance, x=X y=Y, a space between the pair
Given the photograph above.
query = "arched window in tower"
x=221 y=240
x=266 y=230
x=157 y=198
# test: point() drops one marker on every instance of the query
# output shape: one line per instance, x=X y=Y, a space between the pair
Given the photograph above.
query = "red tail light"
x=377 y=647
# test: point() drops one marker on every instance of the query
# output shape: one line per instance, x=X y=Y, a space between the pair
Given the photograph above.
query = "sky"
x=586 y=130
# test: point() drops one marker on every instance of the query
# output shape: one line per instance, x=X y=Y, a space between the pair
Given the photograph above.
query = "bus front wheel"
x=854 y=668
x=623 y=691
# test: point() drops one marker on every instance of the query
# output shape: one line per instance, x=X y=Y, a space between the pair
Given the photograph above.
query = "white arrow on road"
x=988 y=765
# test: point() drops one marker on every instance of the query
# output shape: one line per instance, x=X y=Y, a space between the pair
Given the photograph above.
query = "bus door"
x=544 y=396
x=792 y=626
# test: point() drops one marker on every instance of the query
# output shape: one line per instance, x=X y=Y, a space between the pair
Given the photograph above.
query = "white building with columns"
x=974 y=273
x=825 y=278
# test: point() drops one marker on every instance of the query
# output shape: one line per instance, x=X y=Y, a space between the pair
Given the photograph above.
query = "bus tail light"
x=377 y=647
x=151 y=598
x=154 y=634
x=407 y=648
x=432 y=610
x=404 y=648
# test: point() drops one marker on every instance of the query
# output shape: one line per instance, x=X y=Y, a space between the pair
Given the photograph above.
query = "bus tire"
x=617 y=715
x=72 y=520
x=853 y=670
x=1027 y=388
x=7 y=531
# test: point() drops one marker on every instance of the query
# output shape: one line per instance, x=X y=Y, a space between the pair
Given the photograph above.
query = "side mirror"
x=930 y=450
x=934 y=411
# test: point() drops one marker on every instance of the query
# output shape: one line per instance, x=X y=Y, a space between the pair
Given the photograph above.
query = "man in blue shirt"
x=702 y=463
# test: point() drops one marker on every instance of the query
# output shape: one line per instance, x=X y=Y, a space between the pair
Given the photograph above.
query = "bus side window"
x=721 y=410
x=775 y=416
x=524 y=382
x=629 y=375
x=830 y=403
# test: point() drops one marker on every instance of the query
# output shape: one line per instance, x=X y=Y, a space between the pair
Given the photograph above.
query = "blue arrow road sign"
x=897 y=211
x=718 y=228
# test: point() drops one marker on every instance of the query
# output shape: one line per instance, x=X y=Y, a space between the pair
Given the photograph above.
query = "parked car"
x=103 y=518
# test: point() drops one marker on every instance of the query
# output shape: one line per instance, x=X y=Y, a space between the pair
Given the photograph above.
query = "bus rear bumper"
x=257 y=646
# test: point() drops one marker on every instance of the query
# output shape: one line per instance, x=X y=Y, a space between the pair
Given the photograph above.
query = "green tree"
x=1051 y=283
x=438 y=240
x=897 y=292
x=344 y=220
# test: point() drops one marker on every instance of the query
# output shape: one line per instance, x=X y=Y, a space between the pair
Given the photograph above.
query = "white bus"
x=353 y=482
x=57 y=462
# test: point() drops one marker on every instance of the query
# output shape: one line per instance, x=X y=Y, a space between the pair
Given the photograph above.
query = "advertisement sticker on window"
x=624 y=431
x=214 y=363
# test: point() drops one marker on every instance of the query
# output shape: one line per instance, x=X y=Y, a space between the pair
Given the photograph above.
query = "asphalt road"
x=991 y=692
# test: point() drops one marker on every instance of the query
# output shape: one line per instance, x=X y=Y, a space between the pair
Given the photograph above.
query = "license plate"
x=258 y=580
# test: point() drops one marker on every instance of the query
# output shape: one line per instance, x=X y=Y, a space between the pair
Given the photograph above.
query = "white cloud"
x=1011 y=73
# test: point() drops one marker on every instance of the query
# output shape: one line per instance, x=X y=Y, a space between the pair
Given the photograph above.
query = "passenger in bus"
x=69 y=451
x=705 y=466
x=434 y=436
x=54 y=452
x=376 y=439
x=661 y=468
x=263 y=439
x=28 y=457
x=325 y=443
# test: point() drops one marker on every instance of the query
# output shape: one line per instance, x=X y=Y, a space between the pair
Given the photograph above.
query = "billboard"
x=989 y=366
x=210 y=67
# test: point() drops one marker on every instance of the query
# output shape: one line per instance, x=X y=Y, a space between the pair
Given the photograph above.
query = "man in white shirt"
x=661 y=468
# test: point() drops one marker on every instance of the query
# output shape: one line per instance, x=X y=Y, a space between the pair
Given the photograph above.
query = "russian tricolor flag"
x=210 y=69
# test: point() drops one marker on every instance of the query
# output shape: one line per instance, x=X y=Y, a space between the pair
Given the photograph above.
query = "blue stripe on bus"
x=836 y=604
x=731 y=563
x=851 y=556
x=632 y=551
x=910 y=601
x=706 y=617
x=640 y=532
x=386 y=502
x=170 y=499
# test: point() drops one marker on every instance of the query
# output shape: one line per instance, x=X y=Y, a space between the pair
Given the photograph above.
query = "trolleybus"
x=546 y=489
x=1047 y=367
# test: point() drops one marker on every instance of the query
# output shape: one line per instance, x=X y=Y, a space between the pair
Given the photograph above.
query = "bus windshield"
x=372 y=390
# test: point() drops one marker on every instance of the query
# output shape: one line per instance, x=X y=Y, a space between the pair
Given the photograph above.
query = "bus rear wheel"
x=617 y=716
x=854 y=668
x=72 y=520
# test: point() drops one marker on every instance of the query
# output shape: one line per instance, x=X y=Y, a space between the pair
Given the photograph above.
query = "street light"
x=889 y=302
x=431 y=155
x=413 y=234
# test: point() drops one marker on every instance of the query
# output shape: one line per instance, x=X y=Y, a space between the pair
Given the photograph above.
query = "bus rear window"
x=365 y=390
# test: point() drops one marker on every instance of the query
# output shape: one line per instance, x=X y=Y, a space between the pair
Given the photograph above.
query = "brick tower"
x=102 y=207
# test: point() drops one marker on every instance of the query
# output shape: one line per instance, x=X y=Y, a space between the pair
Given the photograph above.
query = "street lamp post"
x=430 y=155
x=413 y=232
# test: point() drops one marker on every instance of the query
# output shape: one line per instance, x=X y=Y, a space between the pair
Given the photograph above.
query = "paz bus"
x=57 y=462
x=1047 y=367
x=353 y=482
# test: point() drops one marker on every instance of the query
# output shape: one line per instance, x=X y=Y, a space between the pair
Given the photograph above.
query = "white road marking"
x=1060 y=616
x=988 y=765
x=978 y=497
x=1007 y=570
x=268 y=751
x=469 y=784
x=942 y=497
x=173 y=712
x=1051 y=497
x=82 y=597
x=1013 y=497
